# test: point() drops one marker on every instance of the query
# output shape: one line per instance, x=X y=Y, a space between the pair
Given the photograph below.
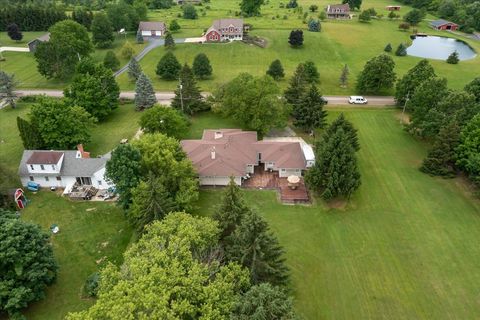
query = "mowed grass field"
x=405 y=247
x=340 y=42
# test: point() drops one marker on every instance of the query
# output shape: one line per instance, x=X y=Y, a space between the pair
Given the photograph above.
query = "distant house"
x=393 y=8
x=180 y=2
x=63 y=168
x=32 y=45
x=224 y=153
x=225 y=29
x=338 y=11
x=152 y=29
x=443 y=25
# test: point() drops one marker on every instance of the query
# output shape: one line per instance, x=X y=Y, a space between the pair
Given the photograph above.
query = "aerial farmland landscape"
x=239 y=159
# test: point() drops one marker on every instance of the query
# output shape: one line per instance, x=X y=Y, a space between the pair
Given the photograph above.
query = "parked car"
x=325 y=100
x=357 y=100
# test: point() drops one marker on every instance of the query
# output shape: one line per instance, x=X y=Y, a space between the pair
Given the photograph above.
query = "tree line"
x=31 y=17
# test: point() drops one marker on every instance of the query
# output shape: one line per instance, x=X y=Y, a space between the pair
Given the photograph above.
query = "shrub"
x=90 y=288
x=453 y=58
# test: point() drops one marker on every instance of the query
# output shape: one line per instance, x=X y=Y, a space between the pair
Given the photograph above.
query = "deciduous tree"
x=102 y=31
x=354 y=4
x=468 y=151
x=127 y=50
x=164 y=120
x=364 y=16
x=110 y=61
x=474 y=88
x=414 y=17
x=251 y=7
x=377 y=75
x=27 y=264
x=410 y=82
x=189 y=12
x=14 y=32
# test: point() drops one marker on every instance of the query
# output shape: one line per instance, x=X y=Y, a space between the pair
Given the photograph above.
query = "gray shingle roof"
x=151 y=26
x=71 y=165
x=438 y=23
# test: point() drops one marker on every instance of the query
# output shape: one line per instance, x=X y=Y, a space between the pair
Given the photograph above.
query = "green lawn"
x=208 y=120
x=405 y=247
x=91 y=234
x=122 y=123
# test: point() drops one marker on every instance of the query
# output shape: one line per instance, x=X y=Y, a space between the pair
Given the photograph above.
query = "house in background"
x=224 y=153
x=152 y=29
x=32 y=45
x=63 y=169
x=393 y=8
x=225 y=30
x=338 y=11
x=180 y=2
x=443 y=25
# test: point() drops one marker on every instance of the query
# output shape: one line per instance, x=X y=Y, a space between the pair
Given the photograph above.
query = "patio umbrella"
x=293 y=179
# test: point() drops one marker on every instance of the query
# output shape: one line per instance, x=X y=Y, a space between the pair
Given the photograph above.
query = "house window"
x=31 y=167
x=53 y=167
x=46 y=179
x=59 y=178
x=259 y=157
x=42 y=167
x=283 y=170
x=84 y=181
x=31 y=178
x=99 y=182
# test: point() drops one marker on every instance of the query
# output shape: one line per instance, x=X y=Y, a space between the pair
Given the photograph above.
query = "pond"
x=440 y=48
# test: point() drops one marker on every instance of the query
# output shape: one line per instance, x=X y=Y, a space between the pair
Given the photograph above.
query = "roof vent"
x=213 y=153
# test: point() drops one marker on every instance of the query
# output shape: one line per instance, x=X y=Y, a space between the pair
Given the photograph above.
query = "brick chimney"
x=82 y=153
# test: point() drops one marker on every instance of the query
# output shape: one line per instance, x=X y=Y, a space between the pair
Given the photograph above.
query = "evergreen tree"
x=174 y=26
x=297 y=87
x=296 y=38
x=344 y=76
x=102 y=31
x=453 y=58
x=311 y=72
x=134 y=69
x=314 y=25
x=276 y=70
x=231 y=210
x=144 y=93
x=151 y=201
x=364 y=16
x=169 y=41
x=354 y=4
x=440 y=160
x=188 y=98
x=401 y=50
x=335 y=171
x=111 y=61
x=8 y=85
x=189 y=12
x=256 y=248
x=139 y=37
x=292 y=4
x=168 y=68
x=14 y=32
x=377 y=75
x=347 y=127
x=388 y=48
x=309 y=114
x=474 y=88
x=201 y=66
x=30 y=135
x=410 y=82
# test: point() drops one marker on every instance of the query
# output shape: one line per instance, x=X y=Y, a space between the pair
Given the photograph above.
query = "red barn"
x=443 y=25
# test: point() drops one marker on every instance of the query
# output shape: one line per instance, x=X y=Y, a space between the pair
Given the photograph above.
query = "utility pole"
x=405 y=105
x=181 y=95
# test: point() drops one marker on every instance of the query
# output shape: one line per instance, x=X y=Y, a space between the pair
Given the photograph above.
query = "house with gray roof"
x=63 y=169
x=152 y=29
x=225 y=30
x=32 y=45
x=443 y=25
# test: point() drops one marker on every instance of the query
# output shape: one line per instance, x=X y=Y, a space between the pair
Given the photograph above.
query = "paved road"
x=166 y=97
x=15 y=49
x=153 y=43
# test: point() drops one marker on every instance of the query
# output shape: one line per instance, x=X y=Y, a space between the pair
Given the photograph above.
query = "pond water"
x=439 y=48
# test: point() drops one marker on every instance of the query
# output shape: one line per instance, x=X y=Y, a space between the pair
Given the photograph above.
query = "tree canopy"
x=164 y=120
x=188 y=98
x=251 y=7
x=309 y=114
x=168 y=68
x=377 y=75
x=468 y=151
x=410 y=82
x=27 y=264
x=102 y=31
x=201 y=66
x=144 y=94
x=276 y=70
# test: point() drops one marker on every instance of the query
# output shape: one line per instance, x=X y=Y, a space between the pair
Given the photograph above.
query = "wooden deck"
x=262 y=179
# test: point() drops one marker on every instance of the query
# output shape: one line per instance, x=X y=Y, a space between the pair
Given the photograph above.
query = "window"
x=283 y=170
x=259 y=156
x=53 y=167
x=84 y=181
x=31 y=178
x=59 y=178
x=99 y=182
x=46 y=179
x=31 y=167
x=42 y=167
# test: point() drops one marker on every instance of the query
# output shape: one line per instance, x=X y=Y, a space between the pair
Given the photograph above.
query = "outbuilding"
x=443 y=25
x=32 y=45
x=152 y=29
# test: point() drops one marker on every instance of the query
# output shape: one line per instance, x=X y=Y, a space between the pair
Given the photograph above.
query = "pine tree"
x=335 y=172
x=30 y=135
x=231 y=210
x=144 y=93
x=188 y=98
x=139 y=37
x=344 y=77
x=257 y=249
x=111 y=61
x=168 y=68
x=309 y=114
x=8 y=85
x=314 y=25
x=453 y=58
x=298 y=86
x=169 y=41
x=134 y=69
x=440 y=160
x=174 y=26
x=347 y=127
x=401 y=50
x=388 y=48
x=311 y=72
x=201 y=66
x=14 y=32
x=276 y=70
x=296 y=38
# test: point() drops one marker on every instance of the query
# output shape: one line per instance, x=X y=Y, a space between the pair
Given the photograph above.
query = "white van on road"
x=357 y=100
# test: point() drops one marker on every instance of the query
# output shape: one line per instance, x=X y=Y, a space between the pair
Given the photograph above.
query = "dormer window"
x=42 y=167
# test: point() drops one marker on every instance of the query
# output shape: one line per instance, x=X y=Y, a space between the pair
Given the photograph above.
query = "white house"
x=152 y=29
x=63 y=168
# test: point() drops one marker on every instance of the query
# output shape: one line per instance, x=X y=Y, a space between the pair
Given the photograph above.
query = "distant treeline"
x=464 y=12
x=31 y=17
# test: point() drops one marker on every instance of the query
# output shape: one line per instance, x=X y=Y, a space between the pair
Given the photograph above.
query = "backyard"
x=339 y=43
x=405 y=246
